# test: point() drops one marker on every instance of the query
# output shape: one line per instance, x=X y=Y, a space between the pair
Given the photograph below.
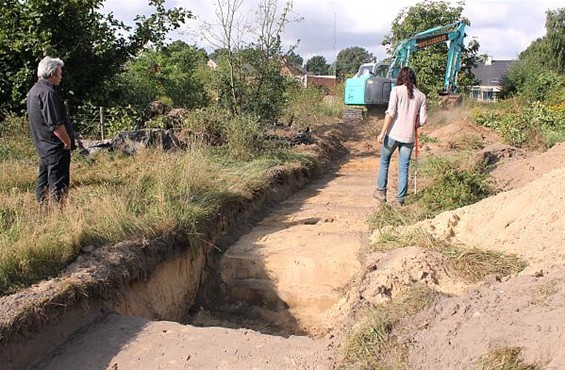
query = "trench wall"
x=156 y=279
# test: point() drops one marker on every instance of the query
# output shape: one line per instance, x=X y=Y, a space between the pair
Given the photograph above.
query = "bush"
x=528 y=124
x=306 y=105
x=121 y=119
x=452 y=187
x=245 y=137
x=208 y=124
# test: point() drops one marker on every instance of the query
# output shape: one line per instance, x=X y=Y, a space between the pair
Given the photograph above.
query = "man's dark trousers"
x=54 y=176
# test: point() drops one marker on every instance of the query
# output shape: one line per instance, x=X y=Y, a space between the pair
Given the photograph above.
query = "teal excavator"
x=373 y=82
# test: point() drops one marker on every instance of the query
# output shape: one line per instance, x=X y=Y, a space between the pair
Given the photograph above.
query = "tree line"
x=108 y=63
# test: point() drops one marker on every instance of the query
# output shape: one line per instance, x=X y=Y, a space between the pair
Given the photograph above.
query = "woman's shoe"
x=380 y=195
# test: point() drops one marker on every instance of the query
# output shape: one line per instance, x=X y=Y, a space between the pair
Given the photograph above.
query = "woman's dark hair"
x=407 y=77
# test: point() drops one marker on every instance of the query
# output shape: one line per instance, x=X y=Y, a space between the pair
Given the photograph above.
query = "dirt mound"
x=459 y=134
x=389 y=274
x=527 y=221
x=525 y=312
x=517 y=168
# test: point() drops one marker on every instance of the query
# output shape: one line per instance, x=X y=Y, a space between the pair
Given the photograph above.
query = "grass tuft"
x=372 y=344
x=507 y=358
x=475 y=264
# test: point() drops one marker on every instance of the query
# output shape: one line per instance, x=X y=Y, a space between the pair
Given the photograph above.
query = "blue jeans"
x=405 y=152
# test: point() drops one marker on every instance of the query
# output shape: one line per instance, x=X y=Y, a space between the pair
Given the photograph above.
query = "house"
x=212 y=64
x=291 y=70
x=489 y=74
x=327 y=83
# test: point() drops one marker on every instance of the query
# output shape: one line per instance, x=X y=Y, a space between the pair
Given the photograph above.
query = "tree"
x=538 y=73
x=348 y=60
x=169 y=73
x=317 y=65
x=294 y=59
x=88 y=42
x=555 y=27
x=248 y=79
x=430 y=63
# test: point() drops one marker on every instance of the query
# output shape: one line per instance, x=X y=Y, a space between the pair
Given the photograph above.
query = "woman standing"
x=406 y=111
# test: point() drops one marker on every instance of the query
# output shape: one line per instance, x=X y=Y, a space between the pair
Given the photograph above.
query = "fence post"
x=102 y=123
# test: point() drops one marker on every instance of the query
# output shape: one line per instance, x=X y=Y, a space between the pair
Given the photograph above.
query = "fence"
x=90 y=121
x=99 y=122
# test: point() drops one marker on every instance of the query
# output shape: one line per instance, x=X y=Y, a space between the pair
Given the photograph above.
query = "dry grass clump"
x=474 y=264
x=470 y=264
x=507 y=358
x=372 y=344
x=544 y=291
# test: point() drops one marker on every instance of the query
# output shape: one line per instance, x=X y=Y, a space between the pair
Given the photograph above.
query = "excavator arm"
x=373 y=89
x=454 y=33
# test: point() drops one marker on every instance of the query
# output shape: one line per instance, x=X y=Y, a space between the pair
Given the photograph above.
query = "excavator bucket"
x=450 y=101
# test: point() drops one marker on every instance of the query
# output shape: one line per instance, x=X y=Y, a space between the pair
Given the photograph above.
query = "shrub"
x=526 y=124
x=452 y=187
x=244 y=137
x=208 y=124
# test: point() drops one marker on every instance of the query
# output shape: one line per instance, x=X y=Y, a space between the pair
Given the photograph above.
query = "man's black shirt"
x=46 y=112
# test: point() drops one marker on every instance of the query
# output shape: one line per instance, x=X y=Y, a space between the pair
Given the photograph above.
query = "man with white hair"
x=51 y=131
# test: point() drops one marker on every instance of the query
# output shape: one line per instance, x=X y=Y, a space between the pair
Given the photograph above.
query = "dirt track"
x=291 y=269
x=302 y=265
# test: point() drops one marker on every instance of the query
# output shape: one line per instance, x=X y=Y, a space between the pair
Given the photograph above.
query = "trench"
x=283 y=279
x=289 y=274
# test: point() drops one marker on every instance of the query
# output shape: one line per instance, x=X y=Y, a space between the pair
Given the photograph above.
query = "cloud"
x=503 y=28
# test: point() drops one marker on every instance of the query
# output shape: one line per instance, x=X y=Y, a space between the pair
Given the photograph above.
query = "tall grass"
x=114 y=197
x=310 y=106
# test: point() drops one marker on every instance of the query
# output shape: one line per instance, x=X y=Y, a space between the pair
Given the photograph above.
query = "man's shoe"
x=380 y=195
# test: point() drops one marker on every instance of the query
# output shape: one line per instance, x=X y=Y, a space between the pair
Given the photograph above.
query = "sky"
x=503 y=28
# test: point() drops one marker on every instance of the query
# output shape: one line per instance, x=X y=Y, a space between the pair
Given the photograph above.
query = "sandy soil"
x=527 y=218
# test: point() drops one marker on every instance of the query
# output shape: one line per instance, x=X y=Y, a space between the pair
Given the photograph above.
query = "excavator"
x=372 y=84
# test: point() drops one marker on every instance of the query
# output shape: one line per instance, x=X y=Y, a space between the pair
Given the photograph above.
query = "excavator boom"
x=374 y=88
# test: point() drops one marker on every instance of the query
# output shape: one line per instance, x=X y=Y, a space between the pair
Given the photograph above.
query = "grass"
x=506 y=358
x=469 y=264
x=547 y=290
x=115 y=197
x=524 y=123
x=372 y=344
x=448 y=187
x=311 y=105
x=426 y=139
x=474 y=264
x=451 y=187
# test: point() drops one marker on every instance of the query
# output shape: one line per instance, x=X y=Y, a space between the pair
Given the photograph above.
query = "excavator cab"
x=369 y=86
